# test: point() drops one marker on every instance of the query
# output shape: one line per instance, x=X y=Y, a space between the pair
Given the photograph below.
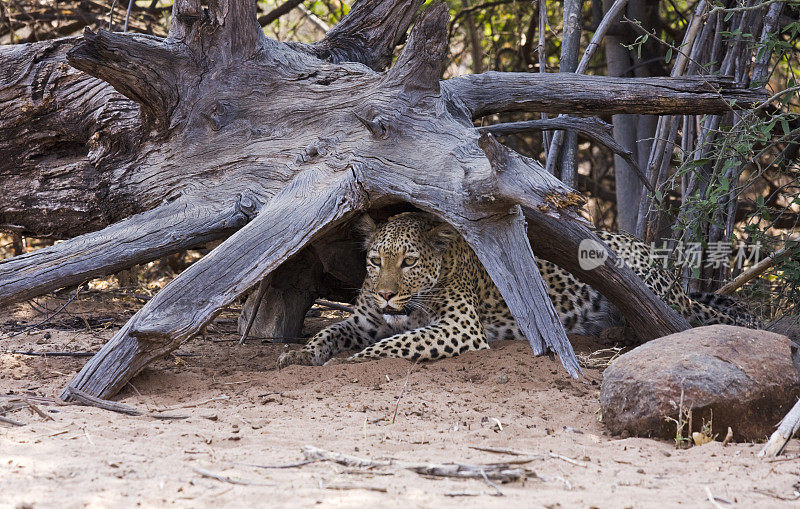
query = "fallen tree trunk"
x=218 y=129
x=63 y=130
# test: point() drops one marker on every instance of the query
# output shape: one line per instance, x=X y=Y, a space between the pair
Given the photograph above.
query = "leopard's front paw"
x=301 y=357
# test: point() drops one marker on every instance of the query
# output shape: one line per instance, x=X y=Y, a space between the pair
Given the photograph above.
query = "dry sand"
x=88 y=457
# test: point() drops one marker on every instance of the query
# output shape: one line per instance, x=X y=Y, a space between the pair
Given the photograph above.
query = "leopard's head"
x=404 y=260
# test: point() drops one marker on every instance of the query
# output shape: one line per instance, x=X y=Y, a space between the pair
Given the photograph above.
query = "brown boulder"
x=745 y=377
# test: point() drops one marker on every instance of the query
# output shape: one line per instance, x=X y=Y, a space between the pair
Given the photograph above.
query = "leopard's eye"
x=375 y=260
x=409 y=261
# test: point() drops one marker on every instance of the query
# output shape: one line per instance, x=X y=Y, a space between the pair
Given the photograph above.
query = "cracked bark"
x=218 y=129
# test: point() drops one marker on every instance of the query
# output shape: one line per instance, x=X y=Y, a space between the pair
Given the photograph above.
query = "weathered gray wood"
x=595 y=95
x=558 y=240
x=781 y=436
x=290 y=291
x=503 y=248
x=319 y=200
x=591 y=127
x=308 y=142
x=69 y=136
x=556 y=235
x=55 y=125
x=139 y=239
x=366 y=35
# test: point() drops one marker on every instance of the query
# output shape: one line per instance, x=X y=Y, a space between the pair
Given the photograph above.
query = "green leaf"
x=668 y=57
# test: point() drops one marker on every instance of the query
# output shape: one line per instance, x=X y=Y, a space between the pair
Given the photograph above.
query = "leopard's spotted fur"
x=426 y=296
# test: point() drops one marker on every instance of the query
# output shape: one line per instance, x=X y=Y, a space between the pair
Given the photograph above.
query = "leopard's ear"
x=366 y=227
x=441 y=235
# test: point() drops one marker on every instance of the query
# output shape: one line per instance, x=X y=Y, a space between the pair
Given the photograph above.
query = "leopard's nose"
x=387 y=296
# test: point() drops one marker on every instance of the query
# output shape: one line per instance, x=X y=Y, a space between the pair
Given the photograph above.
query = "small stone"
x=211 y=417
x=503 y=378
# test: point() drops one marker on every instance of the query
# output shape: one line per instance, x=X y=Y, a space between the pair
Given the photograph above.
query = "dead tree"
x=148 y=146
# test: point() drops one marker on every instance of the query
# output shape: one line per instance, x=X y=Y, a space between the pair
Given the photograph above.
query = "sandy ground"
x=88 y=457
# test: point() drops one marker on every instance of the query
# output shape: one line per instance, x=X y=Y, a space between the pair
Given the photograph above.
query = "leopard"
x=426 y=296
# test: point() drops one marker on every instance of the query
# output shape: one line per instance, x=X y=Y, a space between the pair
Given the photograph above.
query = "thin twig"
x=289 y=465
x=262 y=290
x=227 y=479
x=111 y=14
x=112 y=406
x=530 y=456
x=127 y=15
x=78 y=354
x=379 y=489
x=463 y=494
x=403 y=391
x=167 y=417
x=785 y=458
x=38 y=399
x=502 y=450
x=498 y=492
x=39 y=324
x=277 y=12
x=52 y=354
x=775 y=495
x=712 y=499
x=317 y=454
x=194 y=404
x=721 y=8
x=6 y=420
x=36 y=409
x=753 y=272
x=568 y=460
x=334 y=305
